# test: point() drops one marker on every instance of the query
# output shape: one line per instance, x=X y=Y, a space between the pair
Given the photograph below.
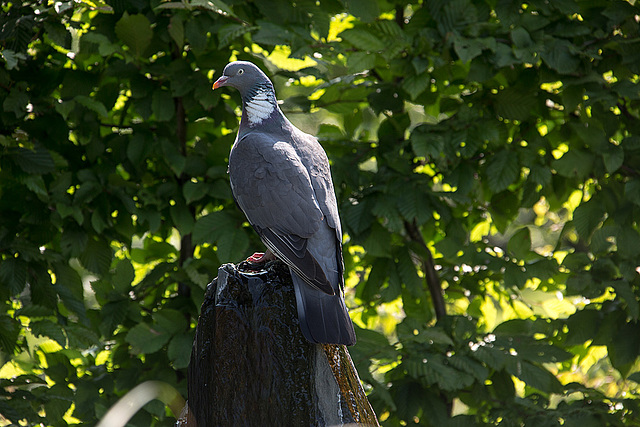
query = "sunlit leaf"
x=535 y=376
x=46 y=328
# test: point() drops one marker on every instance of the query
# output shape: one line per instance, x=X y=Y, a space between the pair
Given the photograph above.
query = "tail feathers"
x=323 y=318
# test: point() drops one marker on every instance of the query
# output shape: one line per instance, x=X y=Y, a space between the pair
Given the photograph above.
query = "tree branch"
x=428 y=267
x=186 y=243
x=400 y=16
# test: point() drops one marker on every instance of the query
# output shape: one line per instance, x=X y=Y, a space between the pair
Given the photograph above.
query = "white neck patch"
x=259 y=107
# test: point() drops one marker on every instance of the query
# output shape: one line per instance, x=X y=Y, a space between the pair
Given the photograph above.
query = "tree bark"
x=250 y=364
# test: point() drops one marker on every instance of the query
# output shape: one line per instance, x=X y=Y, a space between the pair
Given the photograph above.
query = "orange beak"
x=220 y=82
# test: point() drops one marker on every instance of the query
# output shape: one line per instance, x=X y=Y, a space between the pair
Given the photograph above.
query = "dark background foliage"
x=486 y=156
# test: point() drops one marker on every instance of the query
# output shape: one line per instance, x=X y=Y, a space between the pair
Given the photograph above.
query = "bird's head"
x=241 y=75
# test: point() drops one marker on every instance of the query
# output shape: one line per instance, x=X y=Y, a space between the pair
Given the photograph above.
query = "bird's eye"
x=240 y=71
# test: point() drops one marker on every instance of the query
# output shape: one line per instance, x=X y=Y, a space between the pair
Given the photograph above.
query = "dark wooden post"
x=251 y=366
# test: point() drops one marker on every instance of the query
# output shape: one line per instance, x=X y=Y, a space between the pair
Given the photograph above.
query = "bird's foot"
x=261 y=257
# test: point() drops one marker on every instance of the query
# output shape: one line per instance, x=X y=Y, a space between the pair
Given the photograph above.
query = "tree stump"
x=251 y=366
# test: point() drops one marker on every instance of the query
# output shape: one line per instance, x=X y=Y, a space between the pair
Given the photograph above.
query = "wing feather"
x=273 y=188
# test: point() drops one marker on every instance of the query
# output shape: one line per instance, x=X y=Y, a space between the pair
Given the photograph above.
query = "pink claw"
x=257 y=257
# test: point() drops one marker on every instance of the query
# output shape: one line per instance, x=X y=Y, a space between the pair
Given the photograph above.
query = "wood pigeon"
x=280 y=179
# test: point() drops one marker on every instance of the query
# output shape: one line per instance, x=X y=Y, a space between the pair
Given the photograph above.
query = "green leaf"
x=176 y=30
x=613 y=158
x=515 y=276
x=134 y=31
x=12 y=58
x=357 y=216
x=17 y=102
x=416 y=84
x=92 y=104
x=540 y=352
x=470 y=366
x=467 y=49
x=519 y=244
x=580 y=284
x=106 y=46
x=535 y=376
x=426 y=142
x=123 y=276
x=574 y=163
x=375 y=280
x=179 y=350
x=13 y=275
x=632 y=191
x=494 y=358
x=162 y=105
x=559 y=55
x=272 y=34
x=635 y=377
x=81 y=337
x=434 y=370
x=69 y=287
x=371 y=341
x=587 y=217
x=232 y=245
x=627 y=241
x=182 y=218
x=502 y=170
x=200 y=279
x=97 y=256
x=378 y=243
x=98 y=222
x=408 y=274
x=144 y=339
x=361 y=61
x=430 y=335
x=583 y=326
x=173 y=157
x=36 y=184
x=217 y=6
x=153 y=250
x=73 y=242
x=515 y=103
x=170 y=321
x=223 y=229
x=209 y=227
x=502 y=385
x=366 y=10
x=56 y=407
x=112 y=315
x=229 y=32
x=9 y=331
x=363 y=40
x=413 y=204
x=624 y=347
x=603 y=239
x=625 y=292
x=540 y=175
x=521 y=37
x=36 y=161
x=46 y=328
x=193 y=191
